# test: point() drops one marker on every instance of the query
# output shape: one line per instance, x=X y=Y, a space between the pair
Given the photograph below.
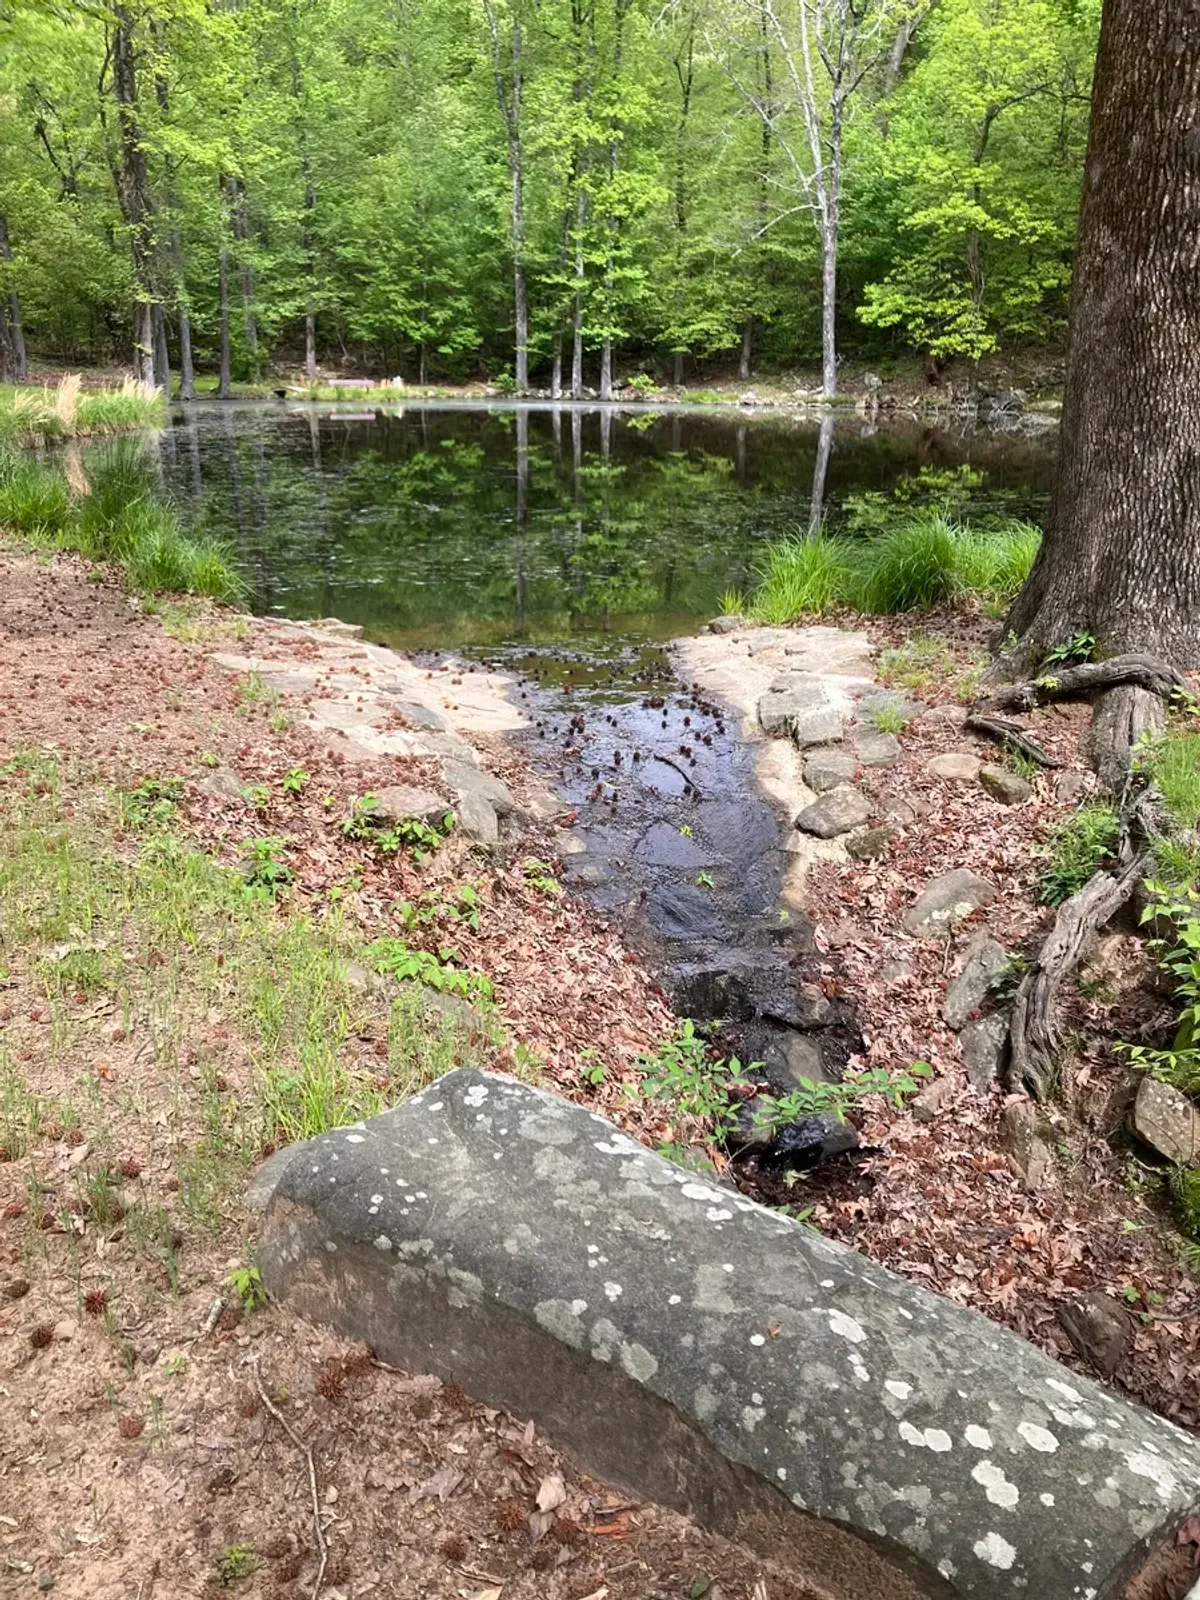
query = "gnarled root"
x=1009 y=734
x=1068 y=683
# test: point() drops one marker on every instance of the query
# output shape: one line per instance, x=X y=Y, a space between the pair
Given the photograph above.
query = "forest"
x=559 y=192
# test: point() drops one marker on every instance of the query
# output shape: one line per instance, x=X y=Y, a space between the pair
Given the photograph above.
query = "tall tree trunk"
x=816 y=504
x=241 y=232
x=509 y=88
x=162 y=357
x=224 y=391
x=685 y=73
x=577 y=318
x=15 y=331
x=556 y=365
x=134 y=193
x=1121 y=555
x=744 y=358
x=187 y=369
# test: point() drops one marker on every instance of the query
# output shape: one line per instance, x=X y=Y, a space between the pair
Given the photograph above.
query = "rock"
x=726 y=624
x=358 y=977
x=982 y=960
x=466 y=779
x=1098 y=1328
x=339 y=629
x=803 y=1060
x=869 y=845
x=827 y=769
x=1007 y=787
x=872 y=382
x=958 y=765
x=64 y=1330
x=984 y=1044
x=797 y=705
x=1166 y=1120
x=590 y=874
x=845 y=931
x=1071 y=786
x=803 y=1144
x=875 y=749
x=891 y=701
x=949 y=714
x=993 y=405
x=835 y=813
x=557 y=1269
x=1028 y=1153
x=400 y=801
x=664 y=846
x=947 y=900
x=680 y=911
x=477 y=820
x=739 y=830
x=222 y=785
x=896 y=969
x=926 y=1105
x=906 y=809
x=420 y=716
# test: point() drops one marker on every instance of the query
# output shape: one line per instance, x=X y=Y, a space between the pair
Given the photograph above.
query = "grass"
x=114 y=513
x=71 y=412
x=916 y=663
x=1174 y=765
x=1080 y=845
x=129 y=913
x=924 y=560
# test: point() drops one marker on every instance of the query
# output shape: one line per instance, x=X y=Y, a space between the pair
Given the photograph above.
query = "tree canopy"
x=386 y=183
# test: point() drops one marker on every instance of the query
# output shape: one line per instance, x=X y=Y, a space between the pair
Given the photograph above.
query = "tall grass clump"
x=69 y=411
x=1174 y=765
x=34 y=499
x=913 y=568
x=802 y=576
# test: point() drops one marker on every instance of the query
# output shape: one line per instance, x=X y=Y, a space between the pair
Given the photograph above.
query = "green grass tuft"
x=1080 y=845
x=1174 y=765
x=801 y=577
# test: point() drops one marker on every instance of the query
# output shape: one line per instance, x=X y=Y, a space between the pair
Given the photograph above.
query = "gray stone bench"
x=715 y=1355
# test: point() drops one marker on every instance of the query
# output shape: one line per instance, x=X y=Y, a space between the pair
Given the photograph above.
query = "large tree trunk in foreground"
x=1121 y=556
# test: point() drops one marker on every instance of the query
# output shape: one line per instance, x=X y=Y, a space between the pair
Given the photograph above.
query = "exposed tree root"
x=1146 y=672
x=1010 y=735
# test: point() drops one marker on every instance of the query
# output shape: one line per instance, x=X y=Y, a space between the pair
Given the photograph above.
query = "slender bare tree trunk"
x=744 y=358
x=816 y=505
x=134 y=194
x=14 y=330
x=224 y=390
x=556 y=365
x=1121 y=555
x=241 y=232
x=187 y=369
x=577 y=318
x=509 y=89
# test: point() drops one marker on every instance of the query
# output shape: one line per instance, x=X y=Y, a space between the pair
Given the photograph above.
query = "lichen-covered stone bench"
x=717 y=1356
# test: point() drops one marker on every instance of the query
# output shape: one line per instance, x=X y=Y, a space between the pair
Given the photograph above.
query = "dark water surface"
x=441 y=526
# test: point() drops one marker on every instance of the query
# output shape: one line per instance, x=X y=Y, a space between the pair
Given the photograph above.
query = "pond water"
x=442 y=526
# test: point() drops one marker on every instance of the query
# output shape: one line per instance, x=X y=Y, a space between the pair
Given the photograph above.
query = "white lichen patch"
x=1046 y=1498
x=995 y=1485
x=475 y=1095
x=718 y=1214
x=996 y=1551
x=845 y=1327
x=1038 y=1438
x=700 y=1191
x=751 y=1417
x=638 y=1362
x=1064 y=1389
x=898 y=1388
x=614 y=1291
x=1144 y=1465
x=978 y=1438
x=354 y=1138
x=935 y=1439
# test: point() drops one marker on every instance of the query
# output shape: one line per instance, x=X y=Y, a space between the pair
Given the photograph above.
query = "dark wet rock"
x=1007 y=787
x=983 y=960
x=680 y=911
x=959 y=766
x=401 y=801
x=828 y=769
x=947 y=900
x=837 y=812
x=796 y=705
x=742 y=988
x=726 y=624
x=875 y=749
x=984 y=1044
x=714 y=1355
x=926 y=1105
x=710 y=992
x=1027 y=1150
x=738 y=830
x=1166 y=1120
x=664 y=846
x=871 y=843
x=1099 y=1329
x=804 y=1060
x=590 y=874
x=801 y=1145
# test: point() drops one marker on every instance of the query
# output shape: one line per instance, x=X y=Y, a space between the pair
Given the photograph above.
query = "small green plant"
x=247 y=1284
x=685 y=832
x=1017 y=761
x=1077 y=648
x=732 y=603
x=267 y=873
x=540 y=877
x=1178 y=953
x=208 y=758
x=916 y=663
x=1173 y=764
x=257 y=795
x=395 y=959
x=369 y=822
x=683 y=1073
x=1080 y=846
x=280 y=722
x=890 y=718
x=461 y=905
x=295 y=781
x=814 y=1097
x=591 y=1068
x=642 y=384
x=236 y=1562
x=252 y=690
x=154 y=803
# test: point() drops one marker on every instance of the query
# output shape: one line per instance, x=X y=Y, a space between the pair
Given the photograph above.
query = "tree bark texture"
x=223 y=389
x=14 y=332
x=1121 y=556
x=134 y=193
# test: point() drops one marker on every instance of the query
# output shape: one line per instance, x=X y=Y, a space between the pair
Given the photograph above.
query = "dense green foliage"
x=115 y=515
x=352 y=165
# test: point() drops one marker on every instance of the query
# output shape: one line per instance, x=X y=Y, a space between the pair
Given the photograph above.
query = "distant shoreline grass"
x=71 y=412
x=924 y=560
x=113 y=512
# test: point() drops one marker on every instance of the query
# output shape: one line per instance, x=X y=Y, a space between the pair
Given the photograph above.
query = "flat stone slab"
x=948 y=900
x=875 y=749
x=797 y=705
x=664 y=846
x=826 y=769
x=838 y=812
x=983 y=960
x=957 y=765
x=718 y=1356
x=1166 y=1120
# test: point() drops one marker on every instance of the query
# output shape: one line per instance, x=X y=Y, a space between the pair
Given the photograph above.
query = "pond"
x=443 y=526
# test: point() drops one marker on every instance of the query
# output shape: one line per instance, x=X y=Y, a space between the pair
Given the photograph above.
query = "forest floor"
x=164 y=1028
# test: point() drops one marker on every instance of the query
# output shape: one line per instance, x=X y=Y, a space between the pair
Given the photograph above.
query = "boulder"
x=400 y=801
x=797 y=705
x=837 y=812
x=1098 y=1328
x=947 y=900
x=1166 y=1120
x=827 y=769
x=948 y=714
x=982 y=960
x=1071 y=786
x=1028 y=1153
x=875 y=749
x=870 y=844
x=960 y=766
x=905 y=809
x=728 y=624
x=717 y=1356
x=1007 y=787
x=984 y=1044
x=926 y=1105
